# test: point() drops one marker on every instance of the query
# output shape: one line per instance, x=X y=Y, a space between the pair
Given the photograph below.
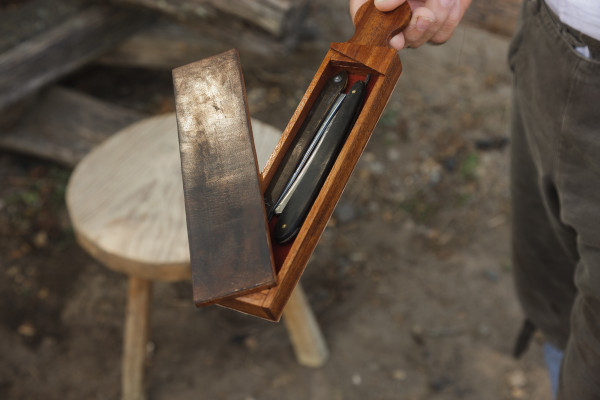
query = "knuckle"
x=438 y=41
x=444 y=33
x=452 y=21
x=441 y=37
x=416 y=43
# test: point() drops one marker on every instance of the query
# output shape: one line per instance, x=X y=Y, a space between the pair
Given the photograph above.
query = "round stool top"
x=125 y=199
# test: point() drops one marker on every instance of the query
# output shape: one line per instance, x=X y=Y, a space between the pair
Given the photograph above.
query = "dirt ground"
x=411 y=281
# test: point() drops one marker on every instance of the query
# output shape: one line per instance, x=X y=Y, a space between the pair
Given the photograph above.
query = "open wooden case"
x=264 y=289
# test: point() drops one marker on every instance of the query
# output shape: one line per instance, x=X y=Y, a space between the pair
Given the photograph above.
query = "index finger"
x=381 y=5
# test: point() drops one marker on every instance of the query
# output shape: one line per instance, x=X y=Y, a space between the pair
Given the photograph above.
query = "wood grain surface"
x=227 y=229
x=125 y=199
x=126 y=203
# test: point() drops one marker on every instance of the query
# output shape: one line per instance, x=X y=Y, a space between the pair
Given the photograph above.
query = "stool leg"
x=309 y=345
x=136 y=338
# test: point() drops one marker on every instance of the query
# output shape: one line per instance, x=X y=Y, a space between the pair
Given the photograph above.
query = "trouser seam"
x=560 y=148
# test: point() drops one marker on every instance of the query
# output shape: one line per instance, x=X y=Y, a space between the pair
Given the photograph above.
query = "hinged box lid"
x=228 y=234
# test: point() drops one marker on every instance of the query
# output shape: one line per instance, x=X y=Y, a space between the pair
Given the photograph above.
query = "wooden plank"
x=27 y=19
x=64 y=47
x=227 y=229
x=164 y=45
x=257 y=29
x=63 y=125
x=169 y=44
x=279 y=18
x=498 y=17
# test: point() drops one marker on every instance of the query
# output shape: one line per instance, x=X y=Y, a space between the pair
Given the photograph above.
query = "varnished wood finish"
x=360 y=56
x=376 y=28
x=227 y=230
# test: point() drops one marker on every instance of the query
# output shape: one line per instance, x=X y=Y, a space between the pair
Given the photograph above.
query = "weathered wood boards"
x=196 y=29
x=169 y=44
x=63 y=125
x=63 y=47
x=164 y=45
x=277 y=17
x=44 y=40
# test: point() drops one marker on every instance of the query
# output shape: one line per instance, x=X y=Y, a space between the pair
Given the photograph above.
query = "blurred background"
x=410 y=283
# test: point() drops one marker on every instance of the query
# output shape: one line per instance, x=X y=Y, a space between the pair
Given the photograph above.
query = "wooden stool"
x=125 y=200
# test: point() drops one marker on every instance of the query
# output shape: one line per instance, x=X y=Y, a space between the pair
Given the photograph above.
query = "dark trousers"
x=556 y=192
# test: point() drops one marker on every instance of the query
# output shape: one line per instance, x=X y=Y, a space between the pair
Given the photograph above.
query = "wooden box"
x=366 y=53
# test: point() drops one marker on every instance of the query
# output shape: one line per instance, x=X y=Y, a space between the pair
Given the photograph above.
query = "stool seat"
x=125 y=199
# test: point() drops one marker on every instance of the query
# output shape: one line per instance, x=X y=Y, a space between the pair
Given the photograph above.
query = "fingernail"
x=445 y=3
x=423 y=23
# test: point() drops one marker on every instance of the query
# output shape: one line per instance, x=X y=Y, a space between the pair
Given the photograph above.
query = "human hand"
x=432 y=20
